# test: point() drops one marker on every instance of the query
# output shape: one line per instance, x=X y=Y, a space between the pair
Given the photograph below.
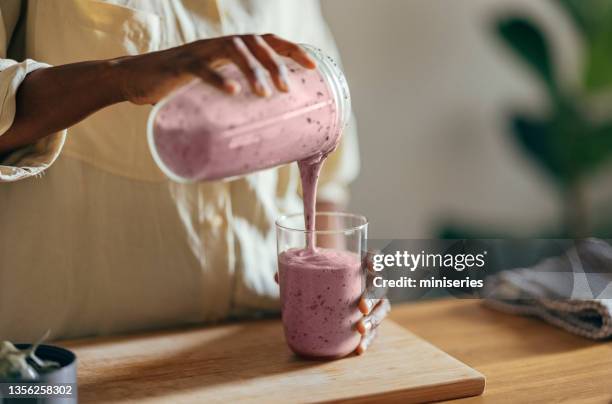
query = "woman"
x=103 y=243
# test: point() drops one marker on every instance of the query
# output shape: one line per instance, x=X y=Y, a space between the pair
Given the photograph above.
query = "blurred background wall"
x=431 y=89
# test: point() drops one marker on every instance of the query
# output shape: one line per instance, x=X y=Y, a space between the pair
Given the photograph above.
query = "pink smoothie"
x=200 y=133
x=320 y=291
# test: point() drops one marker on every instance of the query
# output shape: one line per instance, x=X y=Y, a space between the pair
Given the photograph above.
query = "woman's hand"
x=374 y=309
x=145 y=79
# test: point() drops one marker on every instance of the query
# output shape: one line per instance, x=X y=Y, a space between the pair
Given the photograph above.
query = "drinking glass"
x=320 y=287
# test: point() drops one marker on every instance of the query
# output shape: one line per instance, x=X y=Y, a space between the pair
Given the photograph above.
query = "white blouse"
x=102 y=242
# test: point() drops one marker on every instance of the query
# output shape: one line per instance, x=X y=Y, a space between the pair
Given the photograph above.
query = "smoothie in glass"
x=320 y=293
x=320 y=287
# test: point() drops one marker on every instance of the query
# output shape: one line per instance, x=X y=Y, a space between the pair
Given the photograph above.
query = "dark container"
x=65 y=376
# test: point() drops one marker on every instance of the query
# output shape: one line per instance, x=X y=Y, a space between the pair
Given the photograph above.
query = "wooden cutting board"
x=249 y=362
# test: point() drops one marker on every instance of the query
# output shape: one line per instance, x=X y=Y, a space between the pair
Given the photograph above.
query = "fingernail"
x=362 y=327
x=283 y=78
x=233 y=87
x=365 y=306
x=284 y=85
x=367 y=324
x=261 y=80
x=262 y=89
x=311 y=60
x=360 y=349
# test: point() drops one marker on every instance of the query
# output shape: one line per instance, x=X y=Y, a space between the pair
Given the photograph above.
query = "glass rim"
x=323 y=213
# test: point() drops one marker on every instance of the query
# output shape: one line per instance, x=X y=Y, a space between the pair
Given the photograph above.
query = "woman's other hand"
x=374 y=306
x=145 y=79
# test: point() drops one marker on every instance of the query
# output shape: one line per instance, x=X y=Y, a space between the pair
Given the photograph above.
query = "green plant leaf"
x=596 y=147
x=566 y=145
x=537 y=138
x=598 y=73
x=593 y=18
x=529 y=43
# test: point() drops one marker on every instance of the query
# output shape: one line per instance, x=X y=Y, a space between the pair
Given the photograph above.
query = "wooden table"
x=524 y=359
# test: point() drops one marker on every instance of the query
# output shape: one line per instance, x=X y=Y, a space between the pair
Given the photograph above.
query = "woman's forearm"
x=54 y=98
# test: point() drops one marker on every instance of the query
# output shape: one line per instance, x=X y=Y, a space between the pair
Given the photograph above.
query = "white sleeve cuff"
x=30 y=160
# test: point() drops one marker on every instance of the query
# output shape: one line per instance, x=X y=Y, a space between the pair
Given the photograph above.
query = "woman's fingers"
x=368 y=326
x=373 y=295
x=270 y=60
x=215 y=79
x=365 y=342
x=250 y=66
x=291 y=50
x=372 y=320
x=257 y=58
x=366 y=304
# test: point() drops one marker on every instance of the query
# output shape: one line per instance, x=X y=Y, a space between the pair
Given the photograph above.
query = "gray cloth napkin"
x=572 y=291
